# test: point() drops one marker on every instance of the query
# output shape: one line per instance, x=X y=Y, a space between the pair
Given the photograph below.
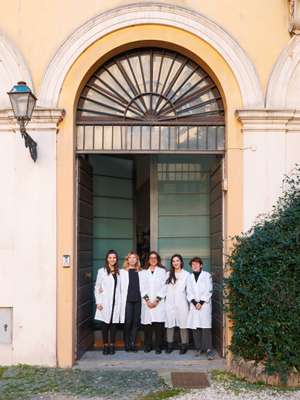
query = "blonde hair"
x=137 y=264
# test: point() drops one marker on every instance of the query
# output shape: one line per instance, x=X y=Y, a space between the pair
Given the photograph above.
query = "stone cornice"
x=273 y=120
x=42 y=119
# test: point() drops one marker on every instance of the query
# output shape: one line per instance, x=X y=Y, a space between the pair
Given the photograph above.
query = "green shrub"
x=264 y=286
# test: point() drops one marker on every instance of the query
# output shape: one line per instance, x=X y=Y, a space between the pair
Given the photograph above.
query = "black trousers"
x=158 y=329
x=109 y=333
x=132 y=321
x=202 y=339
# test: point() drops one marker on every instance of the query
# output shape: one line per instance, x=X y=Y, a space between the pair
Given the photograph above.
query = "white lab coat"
x=177 y=306
x=200 y=290
x=153 y=285
x=104 y=290
x=124 y=290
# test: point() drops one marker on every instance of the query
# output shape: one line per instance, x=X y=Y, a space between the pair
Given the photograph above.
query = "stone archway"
x=284 y=83
x=65 y=93
x=151 y=13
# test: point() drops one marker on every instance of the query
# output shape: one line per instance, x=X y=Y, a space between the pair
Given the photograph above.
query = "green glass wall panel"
x=107 y=228
x=188 y=246
x=111 y=166
x=199 y=186
x=122 y=246
x=112 y=186
x=183 y=207
x=183 y=204
x=183 y=226
x=112 y=208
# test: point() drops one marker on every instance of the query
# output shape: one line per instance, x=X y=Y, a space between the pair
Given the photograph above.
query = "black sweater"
x=133 y=293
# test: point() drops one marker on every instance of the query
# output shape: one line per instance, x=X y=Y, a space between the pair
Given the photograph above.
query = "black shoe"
x=169 y=348
x=183 y=349
x=105 y=350
x=147 y=349
x=133 y=348
x=127 y=347
x=158 y=351
x=112 y=349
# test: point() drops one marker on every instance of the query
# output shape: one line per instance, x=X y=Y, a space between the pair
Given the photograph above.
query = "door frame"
x=153 y=212
x=74 y=79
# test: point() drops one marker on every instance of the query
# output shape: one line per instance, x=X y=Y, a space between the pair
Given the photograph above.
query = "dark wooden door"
x=216 y=238
x=85 y=297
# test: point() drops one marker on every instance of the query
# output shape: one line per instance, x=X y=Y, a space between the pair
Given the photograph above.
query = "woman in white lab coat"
x=199 y=292
x=153 y=290
x=131 y=299
x=177 y=306
x=108 y=300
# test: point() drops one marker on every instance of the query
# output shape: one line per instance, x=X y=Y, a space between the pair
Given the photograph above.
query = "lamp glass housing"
x=22 y=101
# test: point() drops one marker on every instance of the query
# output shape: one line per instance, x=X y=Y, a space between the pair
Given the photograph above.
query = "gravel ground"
x=31 y=383
x=218 y=392
x=25 y=382
x=214 y=392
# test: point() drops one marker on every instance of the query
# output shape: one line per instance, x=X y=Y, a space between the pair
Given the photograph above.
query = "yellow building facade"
x=249 y=50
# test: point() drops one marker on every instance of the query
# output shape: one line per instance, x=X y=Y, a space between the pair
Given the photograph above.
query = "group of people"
x=157 y=299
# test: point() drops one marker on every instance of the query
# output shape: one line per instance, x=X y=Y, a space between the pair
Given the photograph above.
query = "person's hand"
x=198 y=306
x=149 y=304
x=99 y=307
x=154 y=303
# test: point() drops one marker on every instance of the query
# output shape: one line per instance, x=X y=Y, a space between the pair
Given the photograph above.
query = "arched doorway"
x=150 y=130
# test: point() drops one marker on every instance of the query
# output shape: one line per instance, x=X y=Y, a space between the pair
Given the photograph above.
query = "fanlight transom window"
x=149 y=87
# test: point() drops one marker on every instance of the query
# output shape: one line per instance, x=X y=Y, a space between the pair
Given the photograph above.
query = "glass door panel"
x=113 y=215
x=180 y=206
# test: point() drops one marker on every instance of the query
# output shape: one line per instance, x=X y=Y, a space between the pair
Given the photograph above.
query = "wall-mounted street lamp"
x=23 y=102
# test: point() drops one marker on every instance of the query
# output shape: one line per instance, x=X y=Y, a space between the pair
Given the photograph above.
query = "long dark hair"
x=116 y=270
x=159 y=264
x=172 y=277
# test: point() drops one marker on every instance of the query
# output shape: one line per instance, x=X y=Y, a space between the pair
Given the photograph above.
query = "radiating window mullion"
x=196 y=106
x=111 y=89
x=102 y=104
x=108 y=95
x=136 y=82
x=151 y=78
x=165 y=82
x=190 y=89
x=117 y=82
x=159 y=71
x=127 y=79
x=182 y=84
x=174 y=79
x=129 y=83
x=142 y=72
x=179 y=103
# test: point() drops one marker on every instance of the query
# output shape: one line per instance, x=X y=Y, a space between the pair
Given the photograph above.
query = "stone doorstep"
x=187 y=365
